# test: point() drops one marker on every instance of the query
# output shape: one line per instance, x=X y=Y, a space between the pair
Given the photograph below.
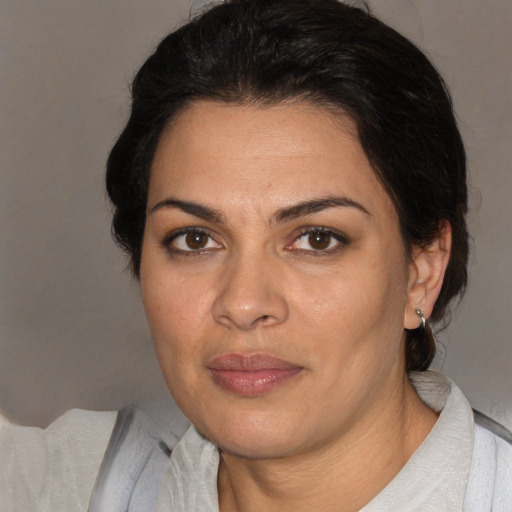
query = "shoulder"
x=490 y=476
x=137 y=455
x=484 y=460
x=55 y=467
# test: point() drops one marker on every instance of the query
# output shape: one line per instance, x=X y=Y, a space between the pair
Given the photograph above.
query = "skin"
x=258 y=283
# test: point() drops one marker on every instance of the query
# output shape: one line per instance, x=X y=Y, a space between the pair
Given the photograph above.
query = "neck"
x=348 y=470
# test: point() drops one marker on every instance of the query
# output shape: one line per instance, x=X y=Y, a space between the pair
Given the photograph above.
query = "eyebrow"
x=301 y=209
x=197 y=210
x=315 y=205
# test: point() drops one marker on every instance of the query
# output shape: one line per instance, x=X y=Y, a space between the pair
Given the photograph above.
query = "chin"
x=254 y=447
x=252 y=435
x=262 y=427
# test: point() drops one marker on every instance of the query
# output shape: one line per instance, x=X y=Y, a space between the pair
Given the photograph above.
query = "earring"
x=420 y=313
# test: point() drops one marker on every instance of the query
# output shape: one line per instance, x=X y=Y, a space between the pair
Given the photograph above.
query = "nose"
x=250 y=295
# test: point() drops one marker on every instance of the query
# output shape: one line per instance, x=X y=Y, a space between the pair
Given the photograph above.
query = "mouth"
x=252 y=374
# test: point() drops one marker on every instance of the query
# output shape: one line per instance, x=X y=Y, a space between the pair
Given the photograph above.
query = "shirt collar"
x=190 y=482
x=435 y=477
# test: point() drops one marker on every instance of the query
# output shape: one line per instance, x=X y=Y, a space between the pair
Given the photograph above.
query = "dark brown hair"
x=331 y=54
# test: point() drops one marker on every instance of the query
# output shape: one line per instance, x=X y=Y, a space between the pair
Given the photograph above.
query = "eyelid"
x=167 y=240
x=341 y=237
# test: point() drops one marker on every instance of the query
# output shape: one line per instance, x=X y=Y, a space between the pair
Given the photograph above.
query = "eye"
x=319 y=240
x=190 y=240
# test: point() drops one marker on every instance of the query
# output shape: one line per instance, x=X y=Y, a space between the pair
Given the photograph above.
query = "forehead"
x=217 y=152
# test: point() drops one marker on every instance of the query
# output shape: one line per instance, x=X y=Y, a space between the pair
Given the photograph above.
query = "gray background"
x=72 y=331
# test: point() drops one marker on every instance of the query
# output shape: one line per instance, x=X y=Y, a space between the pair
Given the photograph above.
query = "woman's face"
x=273 y=276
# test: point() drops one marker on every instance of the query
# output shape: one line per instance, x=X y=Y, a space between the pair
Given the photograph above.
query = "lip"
x=252 y=374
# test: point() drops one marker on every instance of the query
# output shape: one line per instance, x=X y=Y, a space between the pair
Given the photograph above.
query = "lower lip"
x=254 y=382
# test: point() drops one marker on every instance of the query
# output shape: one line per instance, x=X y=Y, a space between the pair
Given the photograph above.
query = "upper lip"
x=249 y=362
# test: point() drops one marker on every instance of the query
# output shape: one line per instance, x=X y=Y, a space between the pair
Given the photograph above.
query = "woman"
x=290 y=188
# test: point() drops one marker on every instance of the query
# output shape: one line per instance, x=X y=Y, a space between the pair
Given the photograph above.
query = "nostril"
x=264 y=320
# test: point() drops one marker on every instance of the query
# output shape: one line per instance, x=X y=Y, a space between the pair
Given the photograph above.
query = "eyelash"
x=341 y=238
x=171 y=237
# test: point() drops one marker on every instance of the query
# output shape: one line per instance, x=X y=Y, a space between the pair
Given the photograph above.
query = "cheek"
x=177 y=309
x=176 y=314
x=356 y=308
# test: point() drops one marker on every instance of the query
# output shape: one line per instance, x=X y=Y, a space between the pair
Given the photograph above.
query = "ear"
x=426 y=274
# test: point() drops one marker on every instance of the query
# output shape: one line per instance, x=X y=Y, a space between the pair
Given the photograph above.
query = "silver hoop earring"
x=420 y=313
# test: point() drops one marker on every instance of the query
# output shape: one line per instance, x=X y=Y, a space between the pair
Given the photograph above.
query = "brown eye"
x=191 y=240
x=319 y=241
x=196 y=240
